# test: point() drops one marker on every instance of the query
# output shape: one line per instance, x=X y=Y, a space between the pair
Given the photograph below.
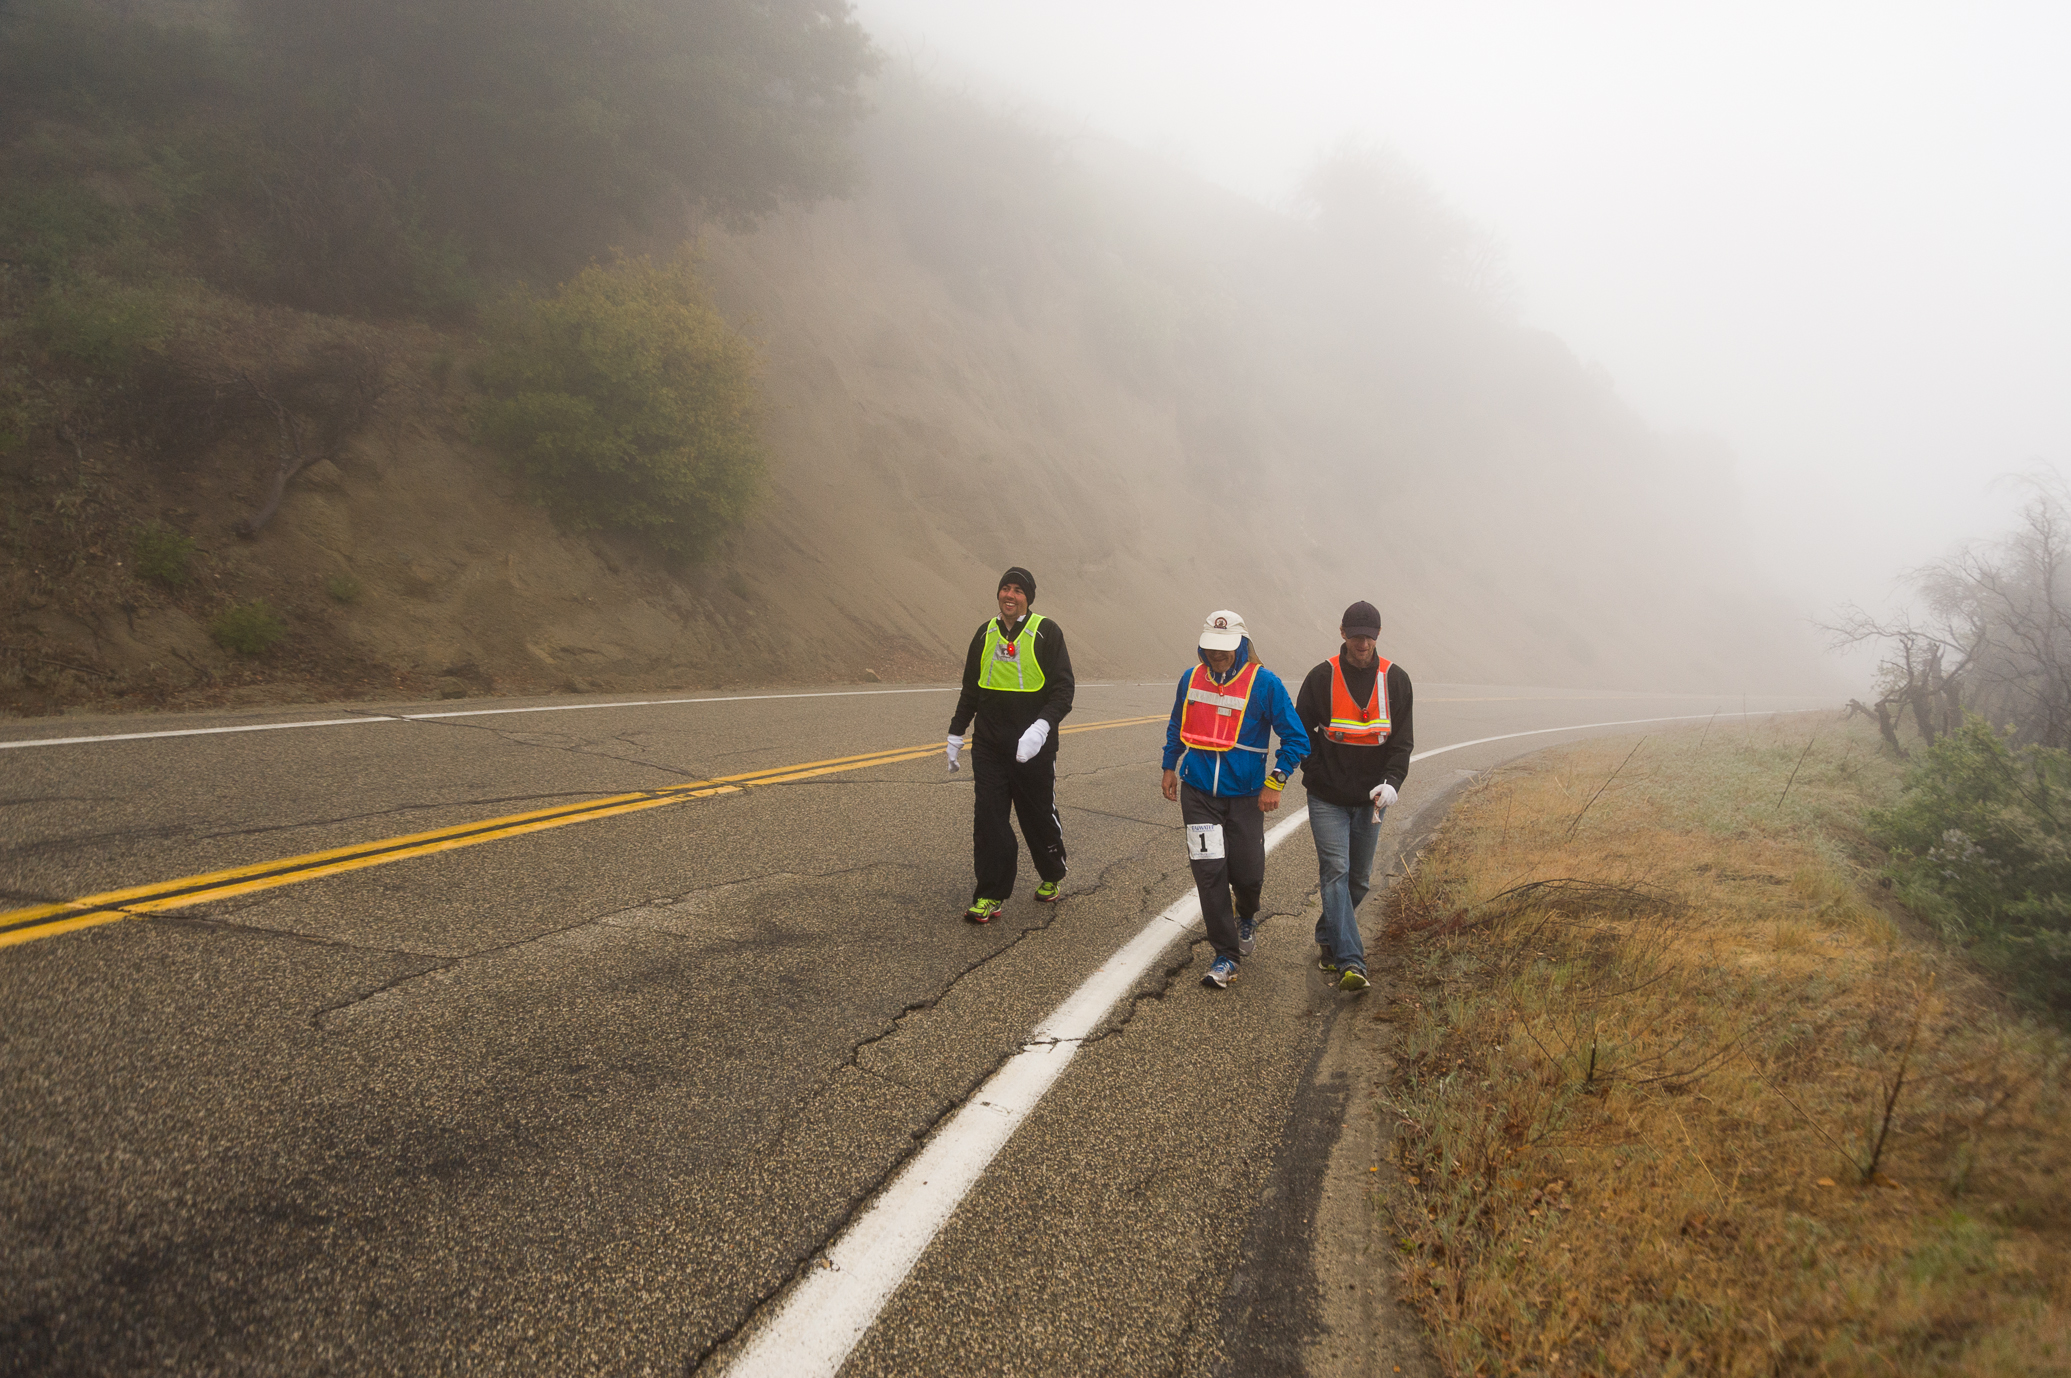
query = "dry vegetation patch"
x=1683 y=1091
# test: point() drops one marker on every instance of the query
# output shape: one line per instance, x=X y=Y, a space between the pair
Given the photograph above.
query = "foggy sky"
x=1831 y=236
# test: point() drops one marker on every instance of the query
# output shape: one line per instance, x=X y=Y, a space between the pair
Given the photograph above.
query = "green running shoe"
x=1327 y=964
x=1049 y=892
x=1353 y=979
x=982 y=911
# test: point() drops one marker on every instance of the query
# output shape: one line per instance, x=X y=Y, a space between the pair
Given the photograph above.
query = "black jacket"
x=1004 y=714
x=1346 y=775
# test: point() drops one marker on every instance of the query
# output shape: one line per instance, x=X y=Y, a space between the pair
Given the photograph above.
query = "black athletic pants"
x=1241 y=867
x=1030 y=787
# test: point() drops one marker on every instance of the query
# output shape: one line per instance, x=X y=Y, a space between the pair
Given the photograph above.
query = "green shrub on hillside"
x=1982 y=846
x=102 y=326
x=49 y=225
x=625 y=401
x=118 y=136
x=249 y=628
x=163 y=555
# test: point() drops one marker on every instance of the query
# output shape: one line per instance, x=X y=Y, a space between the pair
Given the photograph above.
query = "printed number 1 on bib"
x=1204 y=842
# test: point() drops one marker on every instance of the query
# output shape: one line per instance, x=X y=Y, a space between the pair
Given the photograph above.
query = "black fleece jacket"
x=1004 y=714
x=1346 y=775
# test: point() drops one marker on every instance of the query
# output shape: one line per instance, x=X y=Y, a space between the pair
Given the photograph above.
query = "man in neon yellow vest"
x=1018 y=686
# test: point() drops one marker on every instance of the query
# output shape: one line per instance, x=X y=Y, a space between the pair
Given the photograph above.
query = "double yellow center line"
x=49 y=920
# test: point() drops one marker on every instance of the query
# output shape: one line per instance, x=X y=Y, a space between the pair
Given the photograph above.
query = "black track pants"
x=1242 y=866
x=1030 y=788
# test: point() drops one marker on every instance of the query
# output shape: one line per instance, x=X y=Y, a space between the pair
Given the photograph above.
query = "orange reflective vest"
x=1358 y=724
x=1214 y=711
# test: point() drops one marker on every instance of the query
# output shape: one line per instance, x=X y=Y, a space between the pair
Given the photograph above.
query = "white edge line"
x=826 y=1314
x=462 y=713
x=189 y=732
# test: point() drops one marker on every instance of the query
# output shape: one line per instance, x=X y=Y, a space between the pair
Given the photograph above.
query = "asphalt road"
x=588 y=1099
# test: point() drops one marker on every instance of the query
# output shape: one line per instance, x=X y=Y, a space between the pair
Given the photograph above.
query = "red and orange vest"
x=1358 y=724
x=1214 y=711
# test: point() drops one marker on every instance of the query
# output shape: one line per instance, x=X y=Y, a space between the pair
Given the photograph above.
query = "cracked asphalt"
x=586 y=1100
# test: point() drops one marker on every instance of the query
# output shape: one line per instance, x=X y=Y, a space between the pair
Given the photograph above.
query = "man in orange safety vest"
x=1215 y=767
x=1356 y=707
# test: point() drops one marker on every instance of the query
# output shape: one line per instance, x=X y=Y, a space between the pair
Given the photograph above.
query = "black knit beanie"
x=1018 y=575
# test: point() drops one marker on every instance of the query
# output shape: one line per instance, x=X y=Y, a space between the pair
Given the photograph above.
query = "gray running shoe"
x=1247 y=937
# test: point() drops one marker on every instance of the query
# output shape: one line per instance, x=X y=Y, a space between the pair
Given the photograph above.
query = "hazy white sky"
x=1835 y=236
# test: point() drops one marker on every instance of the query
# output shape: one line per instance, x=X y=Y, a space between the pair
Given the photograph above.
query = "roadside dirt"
x=1317 y=1289
x=1368 y=1331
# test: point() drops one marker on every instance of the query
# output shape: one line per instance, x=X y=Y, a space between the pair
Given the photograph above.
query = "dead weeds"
x=1681 y=1092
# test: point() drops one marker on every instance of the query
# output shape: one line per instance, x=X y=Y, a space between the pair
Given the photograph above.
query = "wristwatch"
x=1278 y=779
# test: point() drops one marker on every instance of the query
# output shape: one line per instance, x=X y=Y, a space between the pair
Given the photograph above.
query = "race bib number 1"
x=1204 y=842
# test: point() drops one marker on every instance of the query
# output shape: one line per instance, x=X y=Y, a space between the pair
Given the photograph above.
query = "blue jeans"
x=1345 y=839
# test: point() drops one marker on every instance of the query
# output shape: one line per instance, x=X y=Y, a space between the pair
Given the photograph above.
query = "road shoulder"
x=1306 y=1297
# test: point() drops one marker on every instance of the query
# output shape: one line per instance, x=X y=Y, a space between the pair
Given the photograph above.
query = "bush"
x=103 y=326
x=248 y=629
x=343 y=588
x=1980 y=846
x=625 y=401
x=163 y=555
x=51 y=225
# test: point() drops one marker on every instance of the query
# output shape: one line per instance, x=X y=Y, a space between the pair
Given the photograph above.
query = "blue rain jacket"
x=1237 y=771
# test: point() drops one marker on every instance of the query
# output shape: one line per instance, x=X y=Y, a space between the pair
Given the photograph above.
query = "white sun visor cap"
x=1222 y=631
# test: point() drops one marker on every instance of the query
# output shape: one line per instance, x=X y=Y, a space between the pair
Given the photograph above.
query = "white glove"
x=1032 y=740
x=1383 y=795
x=956 y=744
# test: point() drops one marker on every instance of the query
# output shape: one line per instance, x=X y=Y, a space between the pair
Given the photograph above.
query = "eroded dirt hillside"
x=1160 y=399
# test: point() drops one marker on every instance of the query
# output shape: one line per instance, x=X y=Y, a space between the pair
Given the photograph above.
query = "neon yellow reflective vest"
x=1011 y=665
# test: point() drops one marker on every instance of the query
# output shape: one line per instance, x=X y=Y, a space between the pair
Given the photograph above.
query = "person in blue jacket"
x=1215 y=767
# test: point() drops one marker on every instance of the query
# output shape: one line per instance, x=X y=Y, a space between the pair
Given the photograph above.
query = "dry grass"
x=1652 y=1034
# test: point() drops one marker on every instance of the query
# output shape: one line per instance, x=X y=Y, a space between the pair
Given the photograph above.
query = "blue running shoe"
x=1220 y=973
x=1247 y=937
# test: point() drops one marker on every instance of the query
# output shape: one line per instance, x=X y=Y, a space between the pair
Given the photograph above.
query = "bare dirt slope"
x=1160 y=399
